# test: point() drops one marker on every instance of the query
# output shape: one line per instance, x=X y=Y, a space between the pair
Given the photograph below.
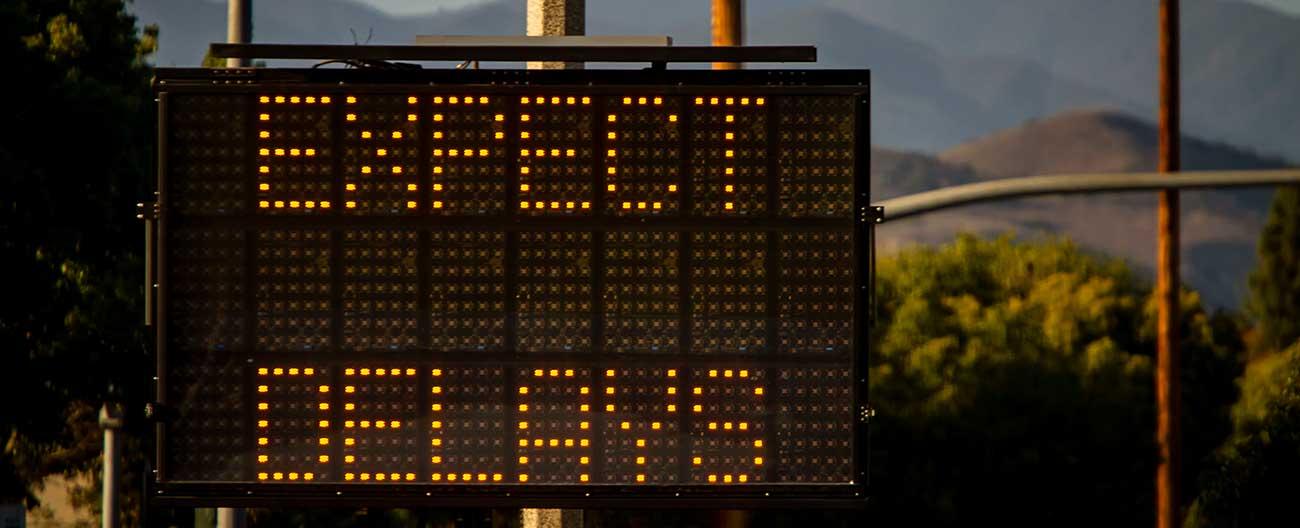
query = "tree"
x=1275 y=284
x=1251 y=479
x=1254 y=476
x=76 y=150
x=1014 y=386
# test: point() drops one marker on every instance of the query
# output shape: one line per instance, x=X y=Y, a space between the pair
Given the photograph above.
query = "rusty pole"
x=1168 y=407
x=728 y=28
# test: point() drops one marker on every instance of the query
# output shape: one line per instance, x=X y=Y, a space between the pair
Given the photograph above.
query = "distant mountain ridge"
x=896 y=173
x=1240 y=69
x=915 y=105
x=996 y=94
x=945 y=72
x=1116 y=142
x=1219 y=227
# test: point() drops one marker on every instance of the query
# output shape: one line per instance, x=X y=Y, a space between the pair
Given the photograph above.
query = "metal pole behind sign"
x=239 y=30
x=728 y=22
x=554 y=18
x=110 y=419
x=239 y=27
x=230 y=518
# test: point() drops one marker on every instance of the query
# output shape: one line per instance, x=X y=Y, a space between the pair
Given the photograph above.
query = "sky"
x=407 y=7
x=1290 y=6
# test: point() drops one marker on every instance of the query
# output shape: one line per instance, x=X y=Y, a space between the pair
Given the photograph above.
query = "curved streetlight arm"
x=948 y=197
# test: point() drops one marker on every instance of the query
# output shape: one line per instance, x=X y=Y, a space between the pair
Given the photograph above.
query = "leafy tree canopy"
x=1275 y=284
x=1253 y=478
x=76 y=150
x=1014 y=386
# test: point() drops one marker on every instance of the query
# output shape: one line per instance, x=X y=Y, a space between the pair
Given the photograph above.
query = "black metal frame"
x=807 y=81
x=514 y=53
x=595 y=82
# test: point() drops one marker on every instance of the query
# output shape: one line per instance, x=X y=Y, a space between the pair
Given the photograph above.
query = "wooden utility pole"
x=728 y=28
x=552 y=18
x=1168 y=407
x=556 y=18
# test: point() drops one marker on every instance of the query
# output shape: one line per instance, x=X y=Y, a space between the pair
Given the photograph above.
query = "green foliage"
x=1252 y=481
x=76 y=150
x=1014 y=385
x=1262 y=384
x=1275 y=284
x=212 y=62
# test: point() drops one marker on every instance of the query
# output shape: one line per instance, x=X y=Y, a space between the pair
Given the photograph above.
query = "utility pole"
x=239 y=27
x=728 y=28
x=110 y=419
x=1168 y=405
x=239 y=30
x=556 y=18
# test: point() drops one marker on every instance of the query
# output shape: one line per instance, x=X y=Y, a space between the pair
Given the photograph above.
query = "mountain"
x=989 y=83
x=1103 y=141
x=1115 y=142
x=1240 y=68
x=945 y=71
x=1219 y=227
x=897 y=173
x=188 y=26
x=922 y=100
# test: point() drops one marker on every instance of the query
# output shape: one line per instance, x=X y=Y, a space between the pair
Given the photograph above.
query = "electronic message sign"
x=510 y=287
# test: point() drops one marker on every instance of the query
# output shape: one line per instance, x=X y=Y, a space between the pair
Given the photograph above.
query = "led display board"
x=512 y=287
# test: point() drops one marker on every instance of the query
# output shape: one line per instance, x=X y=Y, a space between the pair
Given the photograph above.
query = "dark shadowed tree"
x=76 y=152
x=1253 y=479
x=1275 y=283
x=1014 y=387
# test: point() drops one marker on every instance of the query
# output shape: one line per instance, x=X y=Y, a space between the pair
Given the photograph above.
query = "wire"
x=370 y=64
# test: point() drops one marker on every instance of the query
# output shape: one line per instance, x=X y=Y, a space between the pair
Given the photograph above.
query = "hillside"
x=1219 y=227
x=188 y=26
x=975 y=80
x=946 y=72
x=1240 y=68
x=1101 y=141
x=896 y=173
x=1115 y=142
x=922 y=99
